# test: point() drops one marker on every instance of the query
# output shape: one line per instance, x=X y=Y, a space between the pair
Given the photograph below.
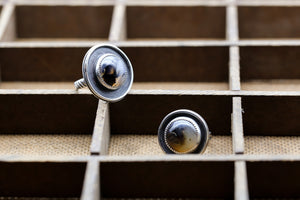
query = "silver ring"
x=182 y=132
x=107 y=72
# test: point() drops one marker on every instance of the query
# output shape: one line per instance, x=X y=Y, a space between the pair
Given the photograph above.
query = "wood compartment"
x=270 y=68
x=179 y=67
x=173 y=22
x=274 y=180
x=46 y=125
x=226 y=60
x=62 y=21
x=271 y=125
x=264 y=22
x=41 y=180
x=197 y=180
x=135 y=121
x=41 y=64
x=184 y=68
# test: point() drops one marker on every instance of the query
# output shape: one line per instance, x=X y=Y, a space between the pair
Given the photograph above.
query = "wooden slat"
x=7 y=23
x=240 y=181
x=63 y=2
x=118 y=24
x=101 y=133
x=16 y=85
x=237 y=126
x=192 y=158
x=232 y=22
x=176 y=3
x=176 y=22
x=76 y=43
x=84 y=43
x=154 y=92
x=158 y=158
x=234 y=68
x=269 y=22
x=233 y=37
x=269 y=42
x=202 y=92
x=269 y=3
x=91 y=185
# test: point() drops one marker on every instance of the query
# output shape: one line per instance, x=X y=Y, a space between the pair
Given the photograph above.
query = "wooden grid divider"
x=99 y=163
x=7 y=23
x=118 y=24
x=101 y=132
x=240 y=181
x=91 y=186
x=237 y=126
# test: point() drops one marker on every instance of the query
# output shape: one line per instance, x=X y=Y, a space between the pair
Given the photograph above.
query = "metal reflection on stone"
x=110 y=71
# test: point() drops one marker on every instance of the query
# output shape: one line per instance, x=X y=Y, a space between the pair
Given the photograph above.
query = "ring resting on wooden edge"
x=182 y=132
x=107 y=72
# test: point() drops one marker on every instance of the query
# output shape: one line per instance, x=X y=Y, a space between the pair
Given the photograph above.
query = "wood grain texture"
x=63 y=21
x=185 y=54
x=268 y=63
x=175 y=22
x=240 y=181
x=271 y=116
x=232 y=31
x=269 y=22
x=118 y=29
x=16 y=85
x=237 y=126
x=41 y=64
x=91 y=185
x=234 y=69
x=7 y=23
x=179 y=64
x=101 y=132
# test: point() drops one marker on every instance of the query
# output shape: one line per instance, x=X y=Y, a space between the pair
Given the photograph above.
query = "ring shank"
x=80 y=84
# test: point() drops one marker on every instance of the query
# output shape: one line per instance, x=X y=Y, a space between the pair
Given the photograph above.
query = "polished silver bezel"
x=86 y=78
x=196 y=115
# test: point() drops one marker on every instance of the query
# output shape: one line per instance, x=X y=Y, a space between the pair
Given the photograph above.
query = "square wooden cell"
x=59 y=143
x=62 y=21
x=136 y=134
x=167 y=22
x=44 y=125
